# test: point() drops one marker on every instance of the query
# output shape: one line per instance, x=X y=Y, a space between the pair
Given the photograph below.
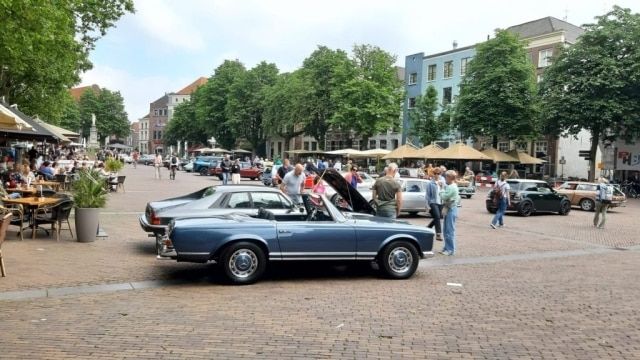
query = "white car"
x=126 y=158
x=413 y=195
x=188 y=167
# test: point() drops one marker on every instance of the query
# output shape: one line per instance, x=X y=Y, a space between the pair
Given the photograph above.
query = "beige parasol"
x=525 y=158
x=11 y=121
x=430 y=151
x=405 y=151
x=460 y=151
x=373 y=153
x=345 y=152
x=498 y=156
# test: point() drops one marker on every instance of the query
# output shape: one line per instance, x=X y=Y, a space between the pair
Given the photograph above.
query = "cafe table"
x=52 y=184
x=32 y=203
x=32 y=190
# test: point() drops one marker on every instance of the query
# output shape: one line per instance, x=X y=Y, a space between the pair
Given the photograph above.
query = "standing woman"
x=157 y=163
x=235 y=172
x=450 y=200
x=502 y=199
x=434 y=203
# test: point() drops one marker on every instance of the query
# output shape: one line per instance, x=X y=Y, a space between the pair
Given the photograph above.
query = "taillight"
x=155 y=220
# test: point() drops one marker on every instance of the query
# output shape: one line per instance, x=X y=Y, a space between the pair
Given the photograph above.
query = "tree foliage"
x=284 y=107
x=369 y=101
x=108 y=106
x=44 y=46
x=498 y=93
x=595 y=84
x=425 y=125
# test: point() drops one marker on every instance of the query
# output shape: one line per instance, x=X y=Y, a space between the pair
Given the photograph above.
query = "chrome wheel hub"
x=400 y=260
x=243 y=263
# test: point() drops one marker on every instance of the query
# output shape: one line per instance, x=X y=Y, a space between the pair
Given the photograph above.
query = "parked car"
x=532 y=196
x=146 y=159
x=583 y=194
x=202 y=164
x=413 y=195
x=126 y=158
x=243 y=244
x=213 y=201
x=188 y=167
x=247 y=171
x=466 y=188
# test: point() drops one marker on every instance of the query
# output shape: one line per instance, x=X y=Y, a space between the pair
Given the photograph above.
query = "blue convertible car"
x=242 y=244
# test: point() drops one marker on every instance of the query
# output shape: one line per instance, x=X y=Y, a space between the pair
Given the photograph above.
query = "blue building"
x=444 y=71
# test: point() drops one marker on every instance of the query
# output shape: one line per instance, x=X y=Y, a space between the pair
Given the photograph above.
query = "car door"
x=413 y=195
x=549 y=199
x=317 y=240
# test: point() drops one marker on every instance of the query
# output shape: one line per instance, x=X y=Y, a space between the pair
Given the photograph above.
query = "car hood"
x=357 y=202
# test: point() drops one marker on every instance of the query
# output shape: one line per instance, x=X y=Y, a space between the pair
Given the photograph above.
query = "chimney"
x=455 y=44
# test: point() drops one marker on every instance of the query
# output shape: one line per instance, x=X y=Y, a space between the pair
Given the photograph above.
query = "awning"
x=345 y=152
x=428 y=152
x=460 y=151
x=525 y=158
x=35 y=132
x=498 y=156
x=11 y=121
x=405 y=151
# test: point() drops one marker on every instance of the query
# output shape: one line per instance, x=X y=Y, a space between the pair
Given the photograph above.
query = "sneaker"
x=439 y=237
x=443 y=252
x=492 y=226
x=501 y=225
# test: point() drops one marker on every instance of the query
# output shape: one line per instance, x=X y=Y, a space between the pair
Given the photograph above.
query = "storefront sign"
x=628 y=157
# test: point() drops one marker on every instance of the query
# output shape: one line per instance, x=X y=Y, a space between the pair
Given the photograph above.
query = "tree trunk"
x=595 y=139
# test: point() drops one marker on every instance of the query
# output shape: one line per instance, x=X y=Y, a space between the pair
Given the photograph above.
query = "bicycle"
x=629 y=189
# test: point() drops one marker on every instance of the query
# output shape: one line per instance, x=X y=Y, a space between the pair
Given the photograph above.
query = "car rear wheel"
x=587 y=204
x=399 y=260
x=491 y=210
x=204 y=171
x=525 y=208
x=565 y=208
x=243 y=263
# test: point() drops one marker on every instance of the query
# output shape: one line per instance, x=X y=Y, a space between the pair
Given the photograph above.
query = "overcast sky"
x=168 y=44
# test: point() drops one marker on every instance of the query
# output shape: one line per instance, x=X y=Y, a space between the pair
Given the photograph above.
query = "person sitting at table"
x=47 y=170
x=5 y=194
x=27 y=174
x=15 y=176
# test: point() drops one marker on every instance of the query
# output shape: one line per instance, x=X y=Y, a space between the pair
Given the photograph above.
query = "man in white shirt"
x=293 y=184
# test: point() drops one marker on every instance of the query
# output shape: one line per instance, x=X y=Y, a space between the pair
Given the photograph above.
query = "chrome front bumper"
x=427 y=254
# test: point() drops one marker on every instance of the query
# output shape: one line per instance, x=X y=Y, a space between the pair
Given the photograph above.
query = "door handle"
x=284 y=232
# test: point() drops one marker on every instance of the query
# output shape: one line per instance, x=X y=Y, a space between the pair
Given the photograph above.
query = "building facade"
x=134 y=135
x=143 y=135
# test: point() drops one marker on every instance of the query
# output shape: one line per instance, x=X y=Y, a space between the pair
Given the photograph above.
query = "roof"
x=189 y=89
x=450 y=51
x=38 y=132
x=547 y=25
x=77 y=92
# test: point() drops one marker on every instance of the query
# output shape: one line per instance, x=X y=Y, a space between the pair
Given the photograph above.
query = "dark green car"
x=532 y=196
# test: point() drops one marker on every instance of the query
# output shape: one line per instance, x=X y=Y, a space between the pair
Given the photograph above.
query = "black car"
x=532 y=196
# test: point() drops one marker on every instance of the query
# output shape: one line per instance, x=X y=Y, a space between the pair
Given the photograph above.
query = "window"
x=314 y=145
x=544 y=57
x=268 y=200
x=383 y=144
x=239 y=201
x=432 y=73
x=372 y=144
x=306 y=145
x=446 y=96
x=540 y=147
x=463 y=65
x=522 y=145
x=413 y=78
x=155 y=112
x=394 y=143
x=412 y=102
x=503 y=146
x=448 y=69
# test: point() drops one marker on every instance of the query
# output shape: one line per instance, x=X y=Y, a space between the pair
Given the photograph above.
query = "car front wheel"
x=204 y=171
x=243 y=263
x=587 y=204
x=399 y=260
x=525 y=208
x=565 y=208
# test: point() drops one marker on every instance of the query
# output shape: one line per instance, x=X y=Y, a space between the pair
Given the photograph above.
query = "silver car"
x=413 y=195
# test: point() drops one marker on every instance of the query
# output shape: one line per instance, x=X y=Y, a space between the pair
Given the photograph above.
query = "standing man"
x=235 y=172
x=134 y=157
x=604 y=195
x=434 y=203
x=283 y=170
x=157 y=163
x=502 y=200
x=173 y=166
x=352 y=177
x=450 y=199
x=387 y=193
x=225 y=166
x=293 y=184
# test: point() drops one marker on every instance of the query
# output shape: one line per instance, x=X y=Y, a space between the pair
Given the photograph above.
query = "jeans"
x=498 y=219
x=435 y=211
x=450 y=230
x=225 y=178
x=157 y=172
x=601 y=209
x=386 y=211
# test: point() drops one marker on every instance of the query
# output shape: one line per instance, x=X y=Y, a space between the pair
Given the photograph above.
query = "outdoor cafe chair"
x=56 y=215
x=6 y=220
x=120 y=183
x=17 y=216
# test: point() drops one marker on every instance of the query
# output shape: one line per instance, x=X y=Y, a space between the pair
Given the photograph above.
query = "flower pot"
x=87 y=224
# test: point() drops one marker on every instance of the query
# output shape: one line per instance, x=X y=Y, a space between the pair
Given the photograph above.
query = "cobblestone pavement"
x=546 y=286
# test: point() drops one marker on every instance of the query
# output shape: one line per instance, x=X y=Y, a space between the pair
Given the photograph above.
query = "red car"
x=247 y=171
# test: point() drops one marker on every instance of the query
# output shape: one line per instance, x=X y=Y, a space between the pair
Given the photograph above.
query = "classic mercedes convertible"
x=243 y=244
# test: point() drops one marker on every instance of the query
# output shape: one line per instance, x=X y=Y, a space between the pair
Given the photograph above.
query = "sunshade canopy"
x=405 y=151
x=241 y=151
x=429 y=151
x=498 y=156
x=460 y=151
x=34 y=130
x=11 y=121
x=346 y=152
x=372 y=153
x=212 y=150
x=524 y=158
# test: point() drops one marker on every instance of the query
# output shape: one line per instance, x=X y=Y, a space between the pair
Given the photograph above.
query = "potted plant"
x=89 y=195
x=113 y=165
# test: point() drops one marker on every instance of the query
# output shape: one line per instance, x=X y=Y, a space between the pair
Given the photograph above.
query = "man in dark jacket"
x=225 y=166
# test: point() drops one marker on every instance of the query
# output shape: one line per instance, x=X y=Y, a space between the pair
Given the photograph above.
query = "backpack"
x=174 y=160
x=606 y=193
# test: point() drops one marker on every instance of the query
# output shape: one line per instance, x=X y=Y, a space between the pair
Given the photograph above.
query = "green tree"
x=211 y=103
x=108 y=106
x=245 y=106
x=70 y=118
x=322 y=72
x=498 y=93
x=595 y=84
x=283 y=107
x=184 y=125
x=369 y=102
x=44 y=46
x=425 y=125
